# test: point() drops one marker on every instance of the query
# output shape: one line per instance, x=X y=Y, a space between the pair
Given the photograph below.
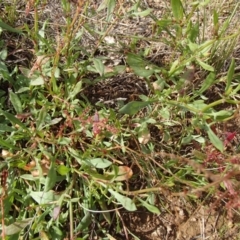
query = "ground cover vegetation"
x=119 y=119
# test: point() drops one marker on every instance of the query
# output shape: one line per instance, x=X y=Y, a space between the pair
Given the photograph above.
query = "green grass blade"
x=230 y=74
x=41 y=118
x=84 y=223
x=9 y=28
x=51 y=178
x=139 y=65
x=14 y=120
x=5 y=144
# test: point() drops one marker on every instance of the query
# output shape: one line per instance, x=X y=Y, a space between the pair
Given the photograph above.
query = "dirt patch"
x=119 y=89
x=181 y=223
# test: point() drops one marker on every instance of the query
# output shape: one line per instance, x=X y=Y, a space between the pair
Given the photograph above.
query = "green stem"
x=36 y=29
x=183 y=105
x=213 y=104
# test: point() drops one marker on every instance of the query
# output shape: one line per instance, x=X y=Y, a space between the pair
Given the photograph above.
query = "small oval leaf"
x=99 y=163
x=98 y=66
x=205 y=65
x=15 y=101
x=125 y=201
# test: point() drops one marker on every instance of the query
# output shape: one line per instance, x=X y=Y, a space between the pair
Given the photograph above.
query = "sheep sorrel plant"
x=119 y=119
x=226 y=169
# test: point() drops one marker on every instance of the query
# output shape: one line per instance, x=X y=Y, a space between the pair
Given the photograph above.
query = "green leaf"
x=149 y=207
x=103 y=5
x=54 y=121
x=56 y=72
x=143 y=13
x=186 y=140
x=225 y=25
x=204 y=65
x=3 y=68
x=51 y=178
x=84 y=223
x=216 y=22
x=220 y=115
x=106 y=214
x=6 y=128
x=110 y=5
x=120 y=69
x=215 y=18
x=8 y=28
x=75 y=154
x=15 y=101
x=110 y=8
x=41 y=118
x=3 y=54
x=174 y=67
x=133 y=107
x=139 y=66
x=98 y=66
x=198 y=105
x=207 y=83
x=125 y=201
x=230 y=74
x=76 y=90
x=14 y=120
x=37 y=81
x=63 y=170
x=44 y=197
x=193 y=31
x=99 y=163
x=4 y=73
x=64 y=141
x=17 y=226
x=144 y=135
x=95 y=175
x=177 y=9
x=6 y=144
x=203 y=3
x=164 y=23
x=142 y=72
x=193 y=46
x=28 y=177
x=214 y=139
x=235 y=90
x=165 y=113
x=23 y=89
